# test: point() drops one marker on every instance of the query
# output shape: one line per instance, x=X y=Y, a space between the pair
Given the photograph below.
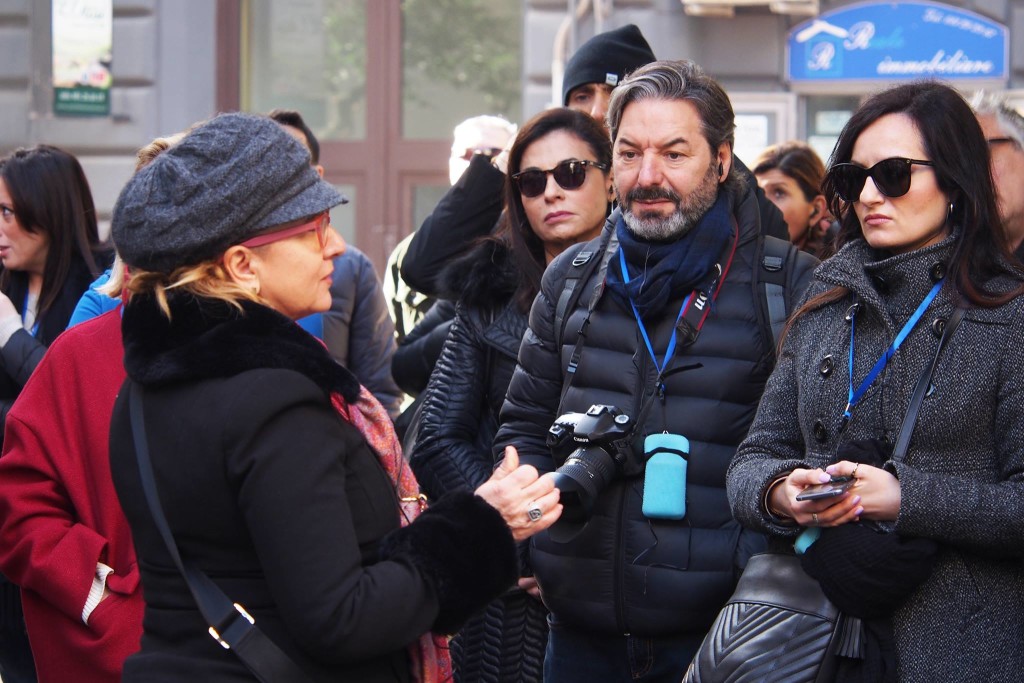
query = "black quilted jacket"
x=460 y=410
x=625 y=573
x=452 y=450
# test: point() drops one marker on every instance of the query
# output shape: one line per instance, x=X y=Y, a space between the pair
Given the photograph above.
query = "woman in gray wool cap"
x=924 y=551
x=280 y=477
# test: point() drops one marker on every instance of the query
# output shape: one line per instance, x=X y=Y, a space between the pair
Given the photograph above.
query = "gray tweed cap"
x=227 y=180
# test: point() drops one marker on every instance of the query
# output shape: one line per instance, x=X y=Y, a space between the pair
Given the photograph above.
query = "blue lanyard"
x=670 y=351
x=854 y=397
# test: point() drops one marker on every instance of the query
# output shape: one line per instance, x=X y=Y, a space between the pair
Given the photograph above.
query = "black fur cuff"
x=464 y=547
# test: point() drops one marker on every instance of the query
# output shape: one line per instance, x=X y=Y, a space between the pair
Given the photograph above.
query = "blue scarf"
x=662 y=272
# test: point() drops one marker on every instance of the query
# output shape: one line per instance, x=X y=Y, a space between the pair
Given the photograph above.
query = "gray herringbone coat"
x=962 y=480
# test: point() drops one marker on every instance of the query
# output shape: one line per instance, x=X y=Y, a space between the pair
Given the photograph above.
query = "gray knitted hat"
x=227 y=180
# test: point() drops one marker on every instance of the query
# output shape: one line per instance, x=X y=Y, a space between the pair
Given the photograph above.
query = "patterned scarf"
x=431 y=662
x=661 y=272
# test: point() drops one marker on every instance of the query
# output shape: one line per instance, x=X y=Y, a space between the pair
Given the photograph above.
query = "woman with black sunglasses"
x=922 y=552
x=557 y=194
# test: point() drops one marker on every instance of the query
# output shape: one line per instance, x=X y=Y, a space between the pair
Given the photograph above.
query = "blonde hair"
x=115 y=283
x=144 y=157
x=208 y=280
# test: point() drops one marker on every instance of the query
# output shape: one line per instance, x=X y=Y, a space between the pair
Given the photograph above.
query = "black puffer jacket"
x=453 y=448
x=625 y=573
x=460 y=411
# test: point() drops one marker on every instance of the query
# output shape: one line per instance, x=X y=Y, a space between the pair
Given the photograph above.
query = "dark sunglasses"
x=569 y=174
x=891 y=177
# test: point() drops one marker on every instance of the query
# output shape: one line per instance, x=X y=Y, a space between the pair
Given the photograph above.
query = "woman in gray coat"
x=925 y=549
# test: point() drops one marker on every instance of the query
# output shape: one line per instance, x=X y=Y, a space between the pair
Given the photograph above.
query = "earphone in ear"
x=720 y=168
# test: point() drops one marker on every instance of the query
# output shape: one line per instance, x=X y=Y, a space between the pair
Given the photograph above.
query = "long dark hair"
x=51 y=197
x=515 y=231
x=956 y=146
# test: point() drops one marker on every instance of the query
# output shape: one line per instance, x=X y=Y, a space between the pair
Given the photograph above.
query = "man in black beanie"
x=598 y=66
x=471 y=208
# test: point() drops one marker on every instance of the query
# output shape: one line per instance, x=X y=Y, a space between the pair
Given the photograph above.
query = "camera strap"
x=692 y=316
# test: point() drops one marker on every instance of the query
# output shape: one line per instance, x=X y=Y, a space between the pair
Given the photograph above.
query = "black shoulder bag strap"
x=850 y=628
x=921 y=390
x=230 y=624
x=770 y=285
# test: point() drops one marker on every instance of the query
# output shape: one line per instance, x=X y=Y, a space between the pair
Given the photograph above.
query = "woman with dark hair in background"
x=557 y=194
x=49 y=247
x=790 y=174
x=925 y=549
x=63 y=537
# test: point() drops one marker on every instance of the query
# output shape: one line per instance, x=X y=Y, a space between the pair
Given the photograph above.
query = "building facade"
x=383 y=82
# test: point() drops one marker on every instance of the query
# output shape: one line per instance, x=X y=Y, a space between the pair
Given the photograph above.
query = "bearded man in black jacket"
x=666 y=326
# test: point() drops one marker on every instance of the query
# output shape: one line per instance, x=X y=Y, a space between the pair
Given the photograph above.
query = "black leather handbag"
x=778 y=626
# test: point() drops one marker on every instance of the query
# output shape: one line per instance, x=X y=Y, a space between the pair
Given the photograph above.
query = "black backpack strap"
x=230 y=625
x=570 y=296
x=776 y=257
x=583 y=264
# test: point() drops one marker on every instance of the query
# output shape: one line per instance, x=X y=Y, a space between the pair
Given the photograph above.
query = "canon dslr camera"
x=599 y=441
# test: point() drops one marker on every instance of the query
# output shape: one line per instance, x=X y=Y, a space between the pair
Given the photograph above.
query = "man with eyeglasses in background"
x=1003 y=127
x=357 y=331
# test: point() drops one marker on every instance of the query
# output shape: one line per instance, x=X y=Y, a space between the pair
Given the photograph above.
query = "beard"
x=653 y=226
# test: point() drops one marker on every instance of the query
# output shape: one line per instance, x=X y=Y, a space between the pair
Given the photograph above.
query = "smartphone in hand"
x=837 y=487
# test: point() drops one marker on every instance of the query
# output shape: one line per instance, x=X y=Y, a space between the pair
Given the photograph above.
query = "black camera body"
x=598 y=444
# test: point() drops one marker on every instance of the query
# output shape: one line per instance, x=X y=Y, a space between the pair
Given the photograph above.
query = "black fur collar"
x=206 y=338
x=485 y=276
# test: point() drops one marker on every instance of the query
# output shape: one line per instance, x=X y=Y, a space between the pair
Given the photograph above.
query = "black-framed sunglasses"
x=891 y=177
x=569 y=174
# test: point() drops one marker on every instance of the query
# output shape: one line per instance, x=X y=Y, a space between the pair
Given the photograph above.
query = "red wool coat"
x=59 y=513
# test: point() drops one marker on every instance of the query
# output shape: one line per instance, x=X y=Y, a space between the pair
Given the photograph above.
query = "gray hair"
x=1010 y=120
x=677 y=80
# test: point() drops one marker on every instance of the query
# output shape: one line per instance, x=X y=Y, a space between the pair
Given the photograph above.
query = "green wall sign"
x=82 y=49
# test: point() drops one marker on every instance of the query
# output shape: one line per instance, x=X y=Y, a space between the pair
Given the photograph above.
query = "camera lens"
x=586 y=472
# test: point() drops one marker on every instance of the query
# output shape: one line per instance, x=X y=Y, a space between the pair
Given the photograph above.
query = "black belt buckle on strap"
x=230 y=623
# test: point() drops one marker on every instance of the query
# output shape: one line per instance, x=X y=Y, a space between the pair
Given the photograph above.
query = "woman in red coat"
x=63 y=537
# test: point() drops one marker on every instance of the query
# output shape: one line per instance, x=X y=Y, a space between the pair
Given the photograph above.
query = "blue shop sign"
x=897 y=41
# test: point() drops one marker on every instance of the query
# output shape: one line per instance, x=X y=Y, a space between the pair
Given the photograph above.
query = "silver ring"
x=534 y=514
x=814 y=516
